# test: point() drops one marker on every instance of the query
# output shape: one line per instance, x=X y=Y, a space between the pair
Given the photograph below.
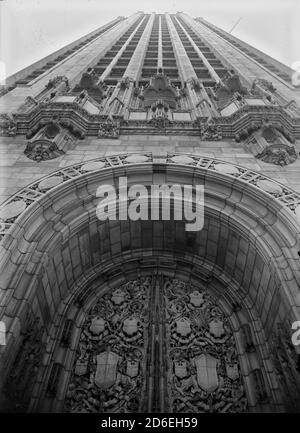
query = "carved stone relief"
x=109 y=129
x=8 y=127
x=269 y=142
x=156 y=337
x=204 y=373
x=109 y=370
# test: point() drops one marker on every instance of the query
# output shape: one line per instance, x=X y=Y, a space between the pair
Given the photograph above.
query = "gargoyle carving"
x=269 y=142
x=49 y=141
x=42 y=150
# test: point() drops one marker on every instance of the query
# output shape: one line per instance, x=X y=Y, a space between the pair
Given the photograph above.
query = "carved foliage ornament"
x=42 y=150
x=269 y=142
x=279 y=155
x=209 y=131
x=201 y=349
x=109 y=129
x=110 y=367
x=122 y=365
x=8 y=127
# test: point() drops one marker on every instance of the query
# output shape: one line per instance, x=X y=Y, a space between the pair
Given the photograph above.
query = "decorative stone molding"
x=284 y=195
x=232 y=126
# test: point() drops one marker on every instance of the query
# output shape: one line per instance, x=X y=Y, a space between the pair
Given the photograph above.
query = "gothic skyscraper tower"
x=140 y=314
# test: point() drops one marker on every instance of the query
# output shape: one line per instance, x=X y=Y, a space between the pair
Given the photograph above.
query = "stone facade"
x=89 y=306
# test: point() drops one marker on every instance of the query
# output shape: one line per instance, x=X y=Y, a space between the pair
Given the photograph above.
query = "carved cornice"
x=88 y=123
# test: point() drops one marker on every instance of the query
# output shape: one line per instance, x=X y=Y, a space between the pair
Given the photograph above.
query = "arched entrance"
x=236 y=282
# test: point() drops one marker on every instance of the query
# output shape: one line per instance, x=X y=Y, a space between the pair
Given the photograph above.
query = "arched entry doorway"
x=61 y=261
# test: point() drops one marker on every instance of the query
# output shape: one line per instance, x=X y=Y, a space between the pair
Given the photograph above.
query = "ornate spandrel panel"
x=156 y=345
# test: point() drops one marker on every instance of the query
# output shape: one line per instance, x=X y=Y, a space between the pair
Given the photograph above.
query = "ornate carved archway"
x=59 y=260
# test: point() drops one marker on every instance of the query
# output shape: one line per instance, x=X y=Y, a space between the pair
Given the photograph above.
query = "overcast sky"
x=32 y=29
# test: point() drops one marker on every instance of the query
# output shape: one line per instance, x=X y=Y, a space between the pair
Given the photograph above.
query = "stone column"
x=160 y=55
x=134 y=67
x=211 y=70
x=116 y=58
x=185 y=67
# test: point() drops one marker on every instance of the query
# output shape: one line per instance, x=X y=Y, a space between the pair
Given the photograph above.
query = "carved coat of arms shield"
x=180 y=369
x=196 y=298
x=106 y=372
x=130 y=326
x=118 y=297
x=183 y=327
x=132 y=368
x=207 y=376
x=232 y=370
x=81 y=367
x=216 y=328
x=97 y=325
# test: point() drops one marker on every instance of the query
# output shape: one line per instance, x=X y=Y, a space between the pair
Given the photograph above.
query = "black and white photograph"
x=149 y=210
